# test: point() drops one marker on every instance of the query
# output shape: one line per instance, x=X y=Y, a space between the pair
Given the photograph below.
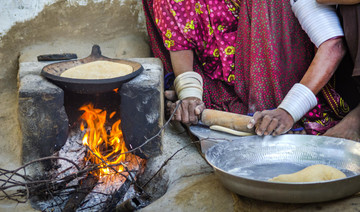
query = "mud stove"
x=89 y=146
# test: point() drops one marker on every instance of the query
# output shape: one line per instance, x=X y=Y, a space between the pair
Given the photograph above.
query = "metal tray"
x=209 y=138
x=245 y=164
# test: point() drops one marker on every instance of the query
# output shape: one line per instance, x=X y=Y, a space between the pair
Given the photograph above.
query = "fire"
x=106 y=148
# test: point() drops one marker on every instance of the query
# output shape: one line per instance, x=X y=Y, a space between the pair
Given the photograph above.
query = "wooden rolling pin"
x=233 y=121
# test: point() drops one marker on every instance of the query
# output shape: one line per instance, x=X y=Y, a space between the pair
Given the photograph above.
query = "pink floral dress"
x=207 y=26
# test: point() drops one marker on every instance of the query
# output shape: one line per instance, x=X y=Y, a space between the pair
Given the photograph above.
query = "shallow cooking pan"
x=87 y=86
x=245 y=164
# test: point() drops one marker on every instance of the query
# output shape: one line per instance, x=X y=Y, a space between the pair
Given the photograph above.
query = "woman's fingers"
x=170 y=95
x=281 y=129
x=178 y=112
x=272 y=126
x=271 y=122
x=263 y=126
x=193 y=119
x=188 y=111
x=185 y=112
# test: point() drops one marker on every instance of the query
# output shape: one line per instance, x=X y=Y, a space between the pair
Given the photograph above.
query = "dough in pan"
x=98 y=70
x=312 y=173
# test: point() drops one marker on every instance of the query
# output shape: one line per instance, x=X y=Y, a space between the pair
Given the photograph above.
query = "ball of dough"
x=312 y=173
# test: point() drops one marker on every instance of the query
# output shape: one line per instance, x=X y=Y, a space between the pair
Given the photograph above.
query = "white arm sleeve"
x=319 y=21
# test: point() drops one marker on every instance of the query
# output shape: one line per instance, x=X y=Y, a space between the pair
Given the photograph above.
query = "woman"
x=248 y=54
x=349 y=10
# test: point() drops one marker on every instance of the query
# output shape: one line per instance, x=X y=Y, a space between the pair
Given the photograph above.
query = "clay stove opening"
x=84 y=177
x=96 y=143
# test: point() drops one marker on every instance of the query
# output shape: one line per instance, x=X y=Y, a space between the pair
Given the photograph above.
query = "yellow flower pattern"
x=211 y=31
x=231 y=78
x=198 y=8
x=221 y=28
x=179 y=31
x=169 y=43
x=168 y=34
x=230 y=50
x=173 y=12
x=189 y=25
x=216 y=53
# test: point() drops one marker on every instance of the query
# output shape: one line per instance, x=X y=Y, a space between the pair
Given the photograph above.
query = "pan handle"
x=95 y=55
x=95 y=51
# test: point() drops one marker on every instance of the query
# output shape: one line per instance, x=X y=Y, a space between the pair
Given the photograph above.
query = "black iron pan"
x=86 y=86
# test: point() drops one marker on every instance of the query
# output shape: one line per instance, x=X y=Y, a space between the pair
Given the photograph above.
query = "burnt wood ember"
x=117 y=196
x=75 y=199
x=73 y=192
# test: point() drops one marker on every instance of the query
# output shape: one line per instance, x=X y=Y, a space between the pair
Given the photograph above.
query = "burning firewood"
x=76 y=179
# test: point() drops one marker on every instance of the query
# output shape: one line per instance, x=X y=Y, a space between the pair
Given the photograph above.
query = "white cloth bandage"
x=189 y=84
x=319 y=21
x=299 y=100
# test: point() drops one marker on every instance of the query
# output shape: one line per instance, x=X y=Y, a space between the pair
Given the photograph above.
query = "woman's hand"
x=271 y=122
x=189 y=110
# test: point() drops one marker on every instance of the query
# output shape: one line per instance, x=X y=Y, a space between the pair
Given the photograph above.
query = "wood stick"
x=85 y=188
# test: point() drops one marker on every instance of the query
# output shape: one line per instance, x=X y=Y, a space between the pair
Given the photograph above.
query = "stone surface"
x=186 y=162
x=42 y=118
x=195 y=193
x=142 y=107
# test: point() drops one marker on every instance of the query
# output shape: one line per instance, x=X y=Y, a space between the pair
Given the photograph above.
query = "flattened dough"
x=98 y=70
x=312 y=173
x=230 y=131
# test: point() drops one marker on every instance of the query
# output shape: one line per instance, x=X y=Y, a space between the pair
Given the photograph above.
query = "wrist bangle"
x=319 y=21
x=299 y=100
x=189 y=84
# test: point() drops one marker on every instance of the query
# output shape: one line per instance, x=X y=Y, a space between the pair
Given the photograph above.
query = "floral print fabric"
x=272 y=53
x=208 y=26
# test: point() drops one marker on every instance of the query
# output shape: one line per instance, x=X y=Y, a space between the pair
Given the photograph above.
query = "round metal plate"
x=245 y=164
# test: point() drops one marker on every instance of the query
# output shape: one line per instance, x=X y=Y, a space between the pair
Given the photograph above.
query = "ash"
x=74 y=150
x=114 y=188
x=109 y=191
x=98 y=199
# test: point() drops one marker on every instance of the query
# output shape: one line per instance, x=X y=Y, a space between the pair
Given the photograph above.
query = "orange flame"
x=105 y=147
